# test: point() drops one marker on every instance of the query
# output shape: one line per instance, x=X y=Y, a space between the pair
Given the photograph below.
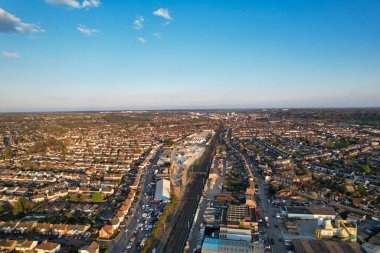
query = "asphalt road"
x=267 y=209
x=272 y=231
x=119 y=244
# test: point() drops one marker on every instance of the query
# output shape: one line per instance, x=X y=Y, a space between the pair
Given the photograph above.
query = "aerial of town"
x=276 y=180
x=192 y=126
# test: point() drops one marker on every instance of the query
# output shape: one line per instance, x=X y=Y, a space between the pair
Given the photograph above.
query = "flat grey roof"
x=318 y=246
x=310 y=210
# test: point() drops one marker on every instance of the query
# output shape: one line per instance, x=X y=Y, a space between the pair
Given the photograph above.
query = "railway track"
x=174 y=241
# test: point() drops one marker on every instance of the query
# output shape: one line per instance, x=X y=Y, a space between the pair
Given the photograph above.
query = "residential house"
x=47 y=247
x=106 y=232
x=26 y=246
x=92 y=248
x=7 y=245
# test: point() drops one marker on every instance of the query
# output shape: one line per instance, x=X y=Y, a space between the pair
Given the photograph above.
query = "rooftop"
x=318 y=246
x=310 y=210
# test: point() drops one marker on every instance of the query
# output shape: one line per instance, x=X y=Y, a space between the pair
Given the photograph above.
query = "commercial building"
x=162 y=192
x=241 y=216
x=214 y=245
x=310 y=213
x=370 y=248
x=235 y=234
x=202 y=137
x=318 y=246
x=341 y=229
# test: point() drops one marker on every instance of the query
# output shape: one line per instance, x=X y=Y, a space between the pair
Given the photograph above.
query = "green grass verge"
x=159 y=229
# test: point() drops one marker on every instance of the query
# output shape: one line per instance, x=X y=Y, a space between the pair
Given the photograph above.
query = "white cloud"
x=10 y=55
x=90 y=3
x=76 y=3
x=138 y=24
x=157 y=35
x=71 y=3
x=141 y=40
x=86 y=4
x=10 y=23
x=87 y=31
x=95 y=3
x=164 y=13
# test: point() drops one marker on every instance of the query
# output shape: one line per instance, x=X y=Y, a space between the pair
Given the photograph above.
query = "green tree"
x=274 y=141
x=97 y=197
x=366 y=169
x=360 y=191
x=8 y=153
x=75 y=198
x=301 y=171
x=68 y=215
x=272 y=189
x=23 y=205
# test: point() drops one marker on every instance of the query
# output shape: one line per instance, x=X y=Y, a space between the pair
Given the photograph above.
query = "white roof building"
x=162 y=192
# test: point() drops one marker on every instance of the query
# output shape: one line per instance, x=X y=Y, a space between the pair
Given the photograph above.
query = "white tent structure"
x=162 y=192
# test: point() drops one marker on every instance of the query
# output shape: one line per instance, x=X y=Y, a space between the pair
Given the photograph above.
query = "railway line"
x=175 y=240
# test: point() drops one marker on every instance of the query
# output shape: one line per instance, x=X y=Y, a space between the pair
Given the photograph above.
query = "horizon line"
x=96 y=110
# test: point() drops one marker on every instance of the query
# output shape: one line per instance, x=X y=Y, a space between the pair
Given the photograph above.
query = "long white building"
x=310 y=213
x=162 y=192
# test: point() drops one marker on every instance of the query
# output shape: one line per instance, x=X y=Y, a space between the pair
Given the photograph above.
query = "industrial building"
x=235 y=234
x=370 y=248
x=342 y=229
x=162 y=192
x=202 y=137
x=214 y=245
x=310 y=213
x=241 y=216
x=318 y=246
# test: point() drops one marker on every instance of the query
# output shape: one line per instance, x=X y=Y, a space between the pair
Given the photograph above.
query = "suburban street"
x=267 y=210
x=119 y=244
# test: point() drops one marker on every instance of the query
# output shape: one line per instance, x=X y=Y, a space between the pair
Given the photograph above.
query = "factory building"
x=214 y=245
x=235 y=234
x=342 y=229
x=310 y=213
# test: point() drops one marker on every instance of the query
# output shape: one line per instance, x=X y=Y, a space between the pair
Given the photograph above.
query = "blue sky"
x=121 y=54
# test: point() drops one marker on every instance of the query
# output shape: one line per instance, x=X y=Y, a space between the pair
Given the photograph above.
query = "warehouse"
x=162 y=192
x=318 y=246
x=310 y=213
x=235 y=234
x=214 y=245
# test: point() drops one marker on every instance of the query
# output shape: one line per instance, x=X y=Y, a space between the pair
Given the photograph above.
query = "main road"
x=119 y=243
x=273 y=231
